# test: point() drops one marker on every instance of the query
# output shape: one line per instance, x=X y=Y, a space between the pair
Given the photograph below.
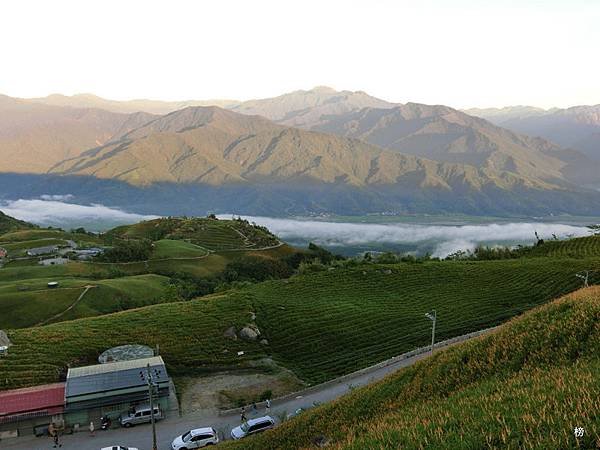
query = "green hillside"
x=582 y=247
x=319 y=325
x=528 y=385
x=26 y=301
x=29 y=302
x=208 y=233
x=8 y=223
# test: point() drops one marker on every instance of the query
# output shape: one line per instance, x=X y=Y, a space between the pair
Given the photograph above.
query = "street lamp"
x=433 y=317
x=585 y=276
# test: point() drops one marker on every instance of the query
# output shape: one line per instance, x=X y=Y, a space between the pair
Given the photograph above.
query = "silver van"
x=140 y=414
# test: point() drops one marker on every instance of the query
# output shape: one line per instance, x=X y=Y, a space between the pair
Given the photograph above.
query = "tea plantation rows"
x=525 y=386
x=331 y=323
x=319 y=325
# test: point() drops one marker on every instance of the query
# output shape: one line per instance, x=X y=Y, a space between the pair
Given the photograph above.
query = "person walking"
x=57 y=439
x=268 y=405
x=92 y=432
x=254 y=408
x=243 y=414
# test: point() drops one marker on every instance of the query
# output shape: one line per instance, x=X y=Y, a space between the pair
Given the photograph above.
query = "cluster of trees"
x=250 y=269
x=124 y=250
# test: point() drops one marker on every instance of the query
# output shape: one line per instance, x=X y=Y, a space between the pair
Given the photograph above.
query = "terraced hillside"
x=320 y=325
x=528 y=385
x=583 y=247
x=25 y=299
x=212 y=234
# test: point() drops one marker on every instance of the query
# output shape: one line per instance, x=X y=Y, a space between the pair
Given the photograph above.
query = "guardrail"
x=380 y=365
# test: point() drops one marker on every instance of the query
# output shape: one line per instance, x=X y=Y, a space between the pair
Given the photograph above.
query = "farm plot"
x=325 y=325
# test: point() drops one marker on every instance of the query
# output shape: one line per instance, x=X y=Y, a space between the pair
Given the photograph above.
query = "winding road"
x=141 y=435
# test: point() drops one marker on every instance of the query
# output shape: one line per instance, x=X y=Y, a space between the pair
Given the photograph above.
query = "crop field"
x=527 y=385
x=319 y=325
x=212 y=234
x=30 y=302
x=37 y=234
x=583 y=247
x=331 y=323
x=168 y=248
x=190 y=335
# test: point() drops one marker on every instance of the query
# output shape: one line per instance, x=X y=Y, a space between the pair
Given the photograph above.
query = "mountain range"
x=307 y=151
x=577 y=127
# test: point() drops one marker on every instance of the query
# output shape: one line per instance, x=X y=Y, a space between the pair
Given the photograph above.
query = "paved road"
x=141 y=435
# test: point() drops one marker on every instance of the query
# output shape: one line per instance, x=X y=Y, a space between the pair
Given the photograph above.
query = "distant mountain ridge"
x=577 y=127
x=347 y=152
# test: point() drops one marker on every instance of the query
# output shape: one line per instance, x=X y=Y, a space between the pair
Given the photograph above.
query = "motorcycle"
x=105 y=423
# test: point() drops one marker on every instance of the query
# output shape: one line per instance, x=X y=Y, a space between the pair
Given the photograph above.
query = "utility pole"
x=433 y=317
x=150 y=393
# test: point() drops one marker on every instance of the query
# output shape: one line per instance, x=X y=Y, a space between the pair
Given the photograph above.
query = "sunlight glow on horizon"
x=463 y=54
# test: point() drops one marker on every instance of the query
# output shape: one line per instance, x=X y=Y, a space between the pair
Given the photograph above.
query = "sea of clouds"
x=52 y=210
x=60 y=211
x=446 y=239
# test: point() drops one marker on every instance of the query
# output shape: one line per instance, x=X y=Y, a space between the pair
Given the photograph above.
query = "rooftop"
x=106 y=379
x=116 y=366
x=49 y=397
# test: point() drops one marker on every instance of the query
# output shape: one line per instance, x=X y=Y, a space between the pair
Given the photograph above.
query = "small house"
x=31 y=410
x=38 y=251
x=113 y=388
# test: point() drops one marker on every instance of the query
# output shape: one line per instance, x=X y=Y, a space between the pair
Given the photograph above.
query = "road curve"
x=141 y=435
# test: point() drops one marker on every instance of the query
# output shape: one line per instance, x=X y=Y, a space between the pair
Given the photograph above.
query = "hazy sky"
x=460 y=53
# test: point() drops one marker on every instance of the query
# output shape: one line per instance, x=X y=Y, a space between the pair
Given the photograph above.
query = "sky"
x=461 y=53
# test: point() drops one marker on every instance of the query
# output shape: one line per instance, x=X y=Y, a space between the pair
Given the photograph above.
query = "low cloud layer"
x=445 y=239
x=51 y=211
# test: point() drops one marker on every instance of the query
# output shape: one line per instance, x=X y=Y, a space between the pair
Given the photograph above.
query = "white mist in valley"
x=347 y=238
x=52 y=210
x=442 y=239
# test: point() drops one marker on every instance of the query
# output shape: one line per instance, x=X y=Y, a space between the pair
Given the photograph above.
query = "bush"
x=256 y=268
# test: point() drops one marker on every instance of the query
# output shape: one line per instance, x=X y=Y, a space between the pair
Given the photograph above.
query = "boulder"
x=264 y=342
x=249 y=332
x=230 y=333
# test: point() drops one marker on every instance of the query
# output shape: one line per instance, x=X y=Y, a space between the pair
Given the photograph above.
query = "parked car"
x=198 y=438
x=140 y=414
x=253 y=426
x=118 y=447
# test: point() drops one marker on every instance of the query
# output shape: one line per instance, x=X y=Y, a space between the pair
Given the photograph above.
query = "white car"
x=253 y=426
x=198 y=438
x=119 y=447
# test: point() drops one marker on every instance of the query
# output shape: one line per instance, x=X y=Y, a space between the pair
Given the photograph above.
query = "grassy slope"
x=319 y=325
x=168 y=248
x=526 y=386
x=570 y=248
x=30 y=302
x=8 y=223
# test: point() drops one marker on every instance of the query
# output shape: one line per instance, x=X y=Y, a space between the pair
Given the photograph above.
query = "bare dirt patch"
x=207 y=394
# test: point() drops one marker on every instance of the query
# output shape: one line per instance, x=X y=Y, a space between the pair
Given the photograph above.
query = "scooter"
x=105 y=422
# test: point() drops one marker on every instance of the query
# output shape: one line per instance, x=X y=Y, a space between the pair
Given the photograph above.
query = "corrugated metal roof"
x=114 y=367
x=46 y=397
x=104 y=379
